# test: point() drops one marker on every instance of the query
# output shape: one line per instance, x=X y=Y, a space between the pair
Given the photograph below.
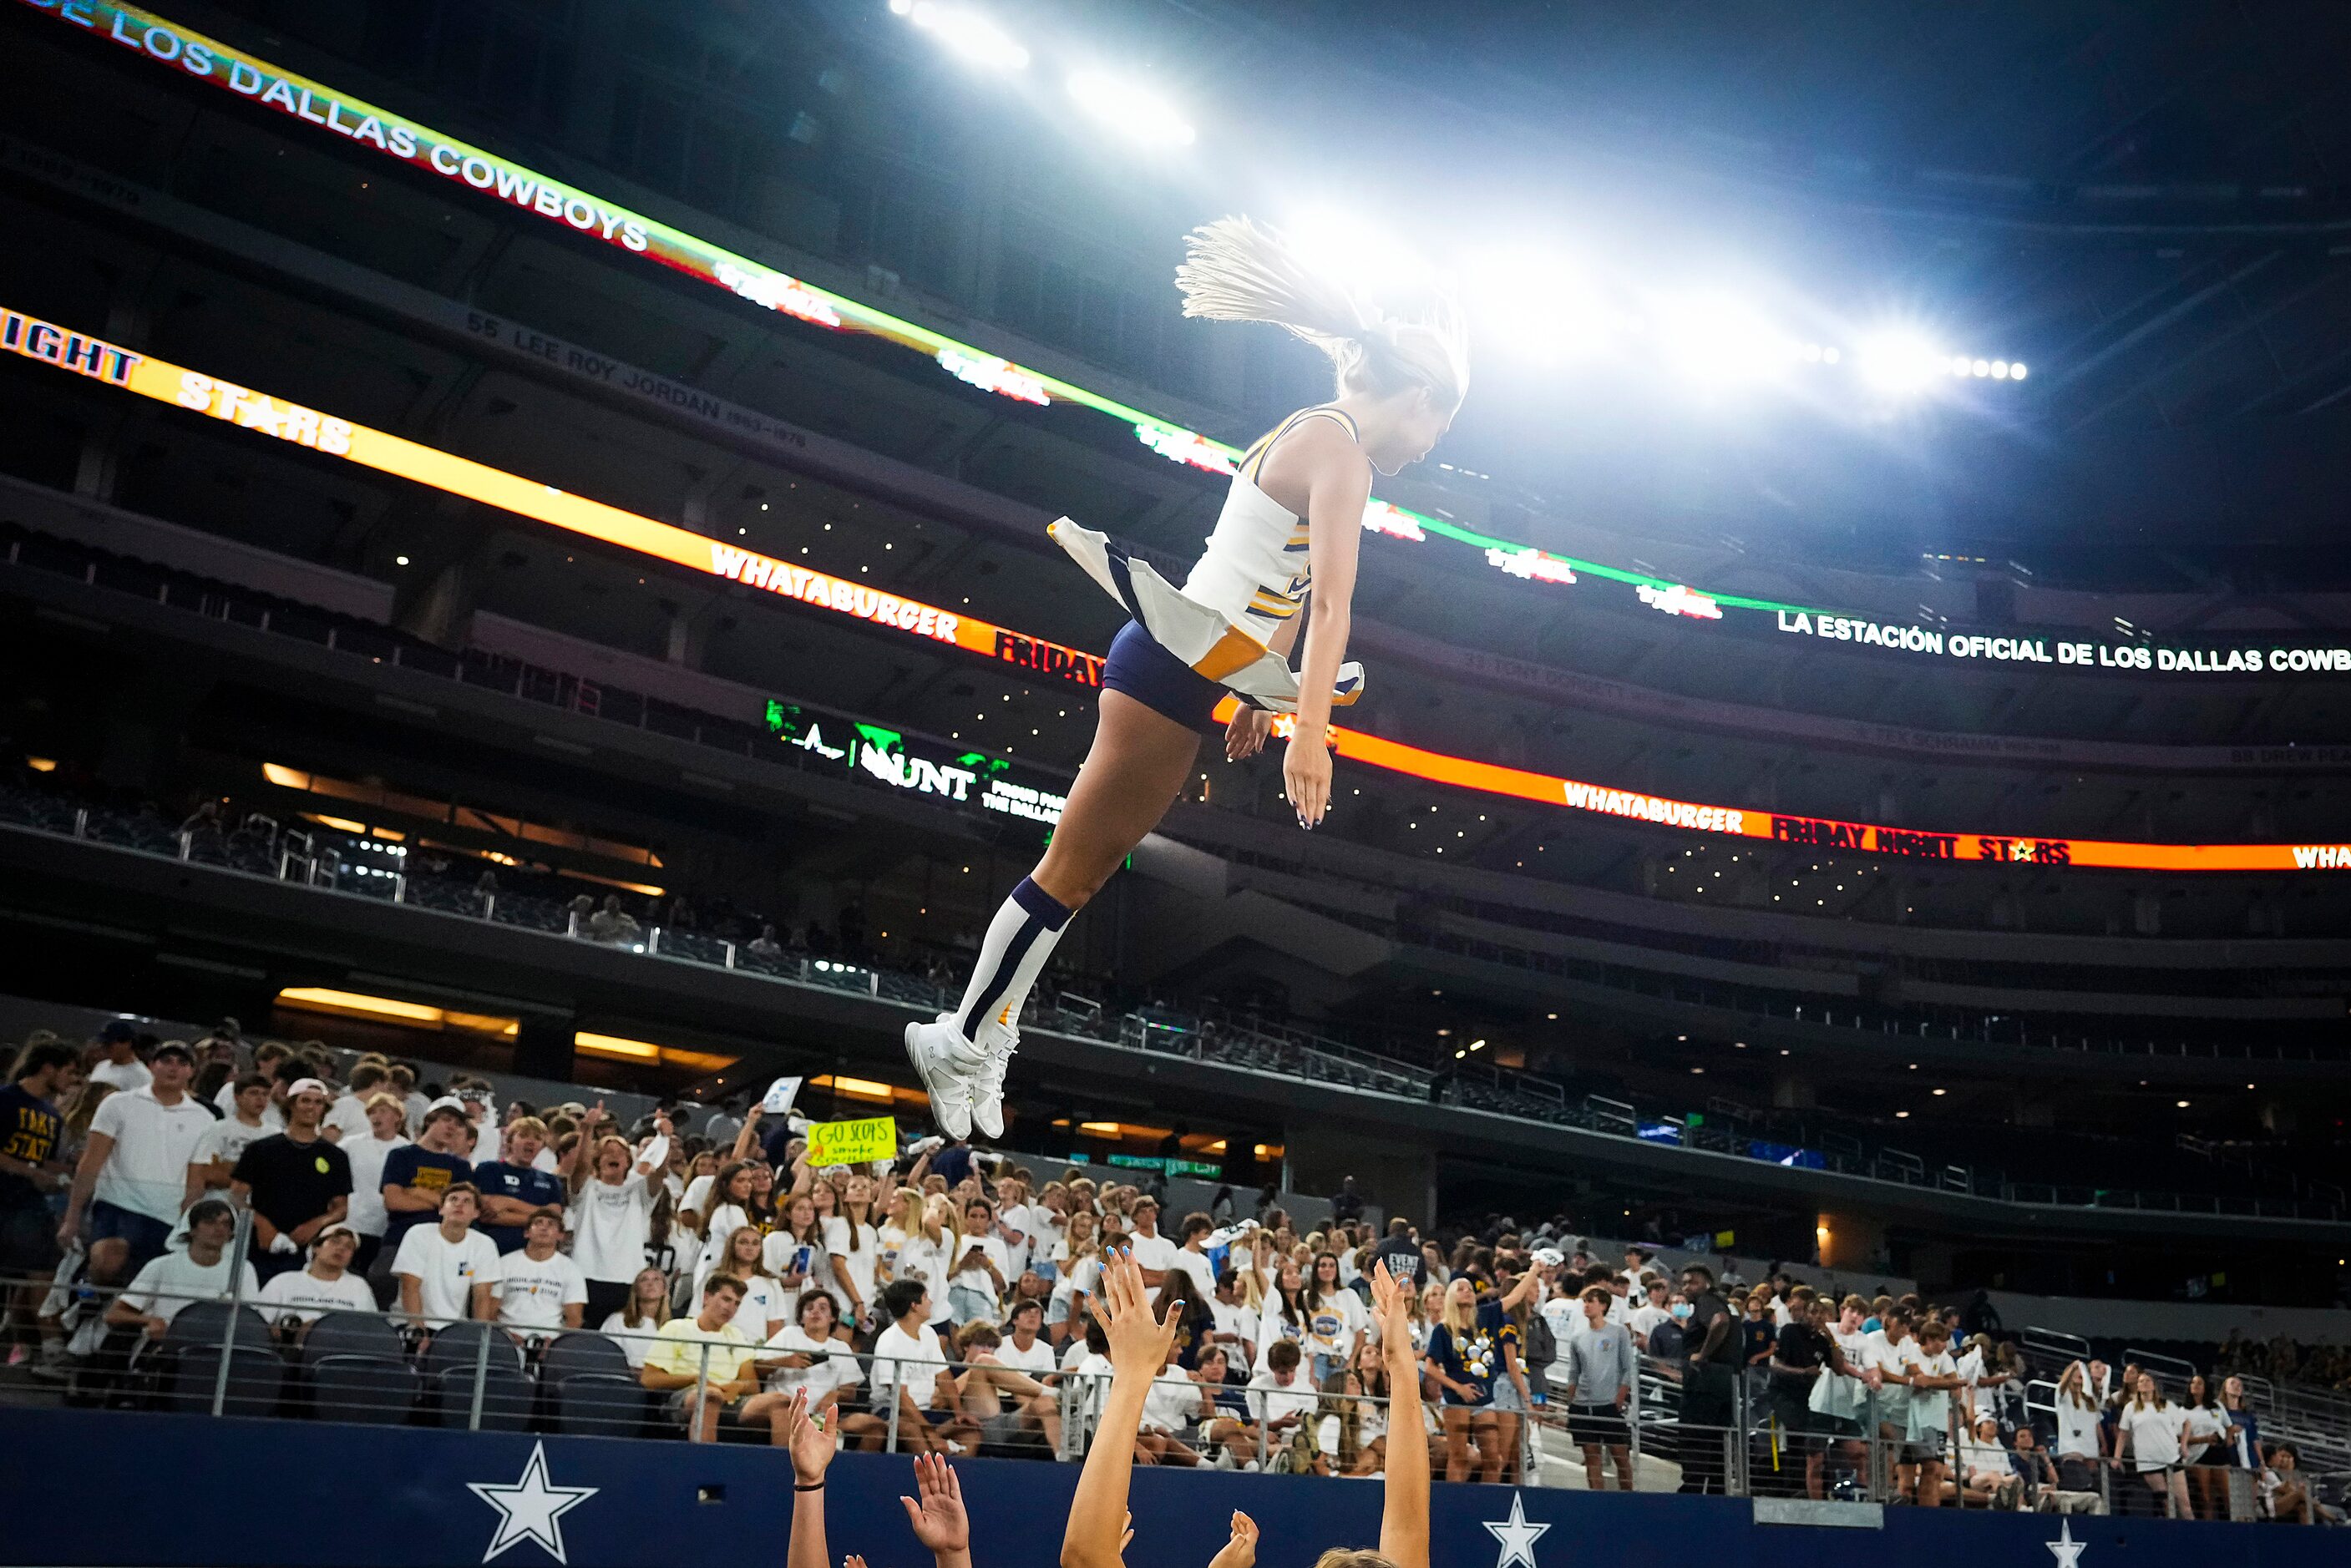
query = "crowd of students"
x=940 y=1301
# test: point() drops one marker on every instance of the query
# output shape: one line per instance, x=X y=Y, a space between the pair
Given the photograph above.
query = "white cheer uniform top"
x=1253 y=576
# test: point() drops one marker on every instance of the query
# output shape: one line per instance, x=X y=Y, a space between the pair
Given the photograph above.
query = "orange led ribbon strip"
x=1812 y=832
x=250 y=409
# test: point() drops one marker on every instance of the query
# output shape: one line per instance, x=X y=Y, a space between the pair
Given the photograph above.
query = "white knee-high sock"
x=1020 y=939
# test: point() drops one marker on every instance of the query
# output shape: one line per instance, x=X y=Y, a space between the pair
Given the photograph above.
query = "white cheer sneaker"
x=947 y=1064
x=988 y=1086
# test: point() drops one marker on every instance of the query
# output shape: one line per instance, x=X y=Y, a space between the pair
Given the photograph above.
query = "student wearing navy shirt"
x=414 y=1178
x=512 y=1187
x=1464 y=1353
x=29 y=1167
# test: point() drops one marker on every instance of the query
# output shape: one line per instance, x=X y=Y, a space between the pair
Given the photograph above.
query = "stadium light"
x=966 y=31
x=1542 y=306
x=1900 y=361
x=1369 y=262
x=1132 y=108
x=1714 y=338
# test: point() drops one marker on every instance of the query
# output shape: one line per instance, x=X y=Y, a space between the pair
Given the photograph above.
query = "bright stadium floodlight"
x=1900 y=361
x=967 y=33
x=1713 y=338
x=1368 y=262
x=1543 y=308
x=1132 y=108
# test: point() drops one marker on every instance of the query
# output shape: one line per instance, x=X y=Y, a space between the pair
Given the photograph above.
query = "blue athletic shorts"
x=1162 y=682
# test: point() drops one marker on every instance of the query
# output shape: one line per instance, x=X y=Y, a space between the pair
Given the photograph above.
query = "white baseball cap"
x=308 y=1086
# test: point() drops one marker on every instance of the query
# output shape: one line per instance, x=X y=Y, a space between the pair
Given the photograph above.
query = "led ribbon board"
x=1815 y=833
x=526 y=190
x=254 y=411
x=878 y=751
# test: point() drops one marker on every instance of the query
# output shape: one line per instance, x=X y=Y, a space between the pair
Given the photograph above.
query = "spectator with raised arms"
x=612 y=1196
x=1139 y=1343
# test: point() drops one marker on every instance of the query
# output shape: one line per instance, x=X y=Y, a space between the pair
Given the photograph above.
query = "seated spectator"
x=2036 y=1474
x=1281 y=1398
x=911 y=1372
x=1352 y=1436
x=298 y=1298
x=704 y=1365
x=540 y=1292
x=641 y=1316
x=612 y=923
x=204 y=1273
x=446 y=1271
x=1006 y=1402
x=2286 y=1493
x=1987 y=1473
x=807 y=1358
x=515 y=1188
x=765 y=1308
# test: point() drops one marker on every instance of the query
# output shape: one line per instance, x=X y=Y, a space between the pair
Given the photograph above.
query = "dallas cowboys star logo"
x=2066 y=1549
x=1519 y=1537
x=531 y=1510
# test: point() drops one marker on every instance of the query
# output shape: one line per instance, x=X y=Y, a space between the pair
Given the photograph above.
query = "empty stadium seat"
x=375 y=1390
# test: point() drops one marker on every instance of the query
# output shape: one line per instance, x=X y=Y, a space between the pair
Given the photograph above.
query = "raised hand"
x=1138 y=1342
x=809 y=1438
x=938 y=1519
x=1391 y=1310
x=1240 y=1552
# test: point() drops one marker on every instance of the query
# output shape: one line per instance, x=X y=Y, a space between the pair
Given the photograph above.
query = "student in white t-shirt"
x=1154 y=1253
x=249 y=1120
x=909 y=1365
x=1336 y=1319
x=796 y=1254
x=540 y=1292
x=1932 y=1374
x=764 y=1311
x=445 y=1270
x=977 y=1289
x=612 y=1198
x=387 y=1118
x=133 y=1172
x=298 y=1298
x=167 y=1283
x=805 y=1354
x=1011 y=1403
x=928 y=1254
x=119 y=1068
x=640 y=1319
x=346 y=1120
x=2150 y=1434
x=855 y=1249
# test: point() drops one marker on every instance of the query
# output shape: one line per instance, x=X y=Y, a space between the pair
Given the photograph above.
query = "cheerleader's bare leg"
x=1137 y=766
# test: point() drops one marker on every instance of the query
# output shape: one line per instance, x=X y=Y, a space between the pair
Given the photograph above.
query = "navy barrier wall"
x=181 y=1492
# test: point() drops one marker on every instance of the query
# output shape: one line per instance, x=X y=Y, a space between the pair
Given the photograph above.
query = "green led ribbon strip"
x=256 y=80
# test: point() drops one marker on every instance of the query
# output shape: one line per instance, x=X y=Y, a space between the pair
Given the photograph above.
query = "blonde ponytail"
x=1234 y=270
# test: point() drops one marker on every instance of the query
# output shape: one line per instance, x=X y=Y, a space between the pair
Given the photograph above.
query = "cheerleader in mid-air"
x=1289 y=526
